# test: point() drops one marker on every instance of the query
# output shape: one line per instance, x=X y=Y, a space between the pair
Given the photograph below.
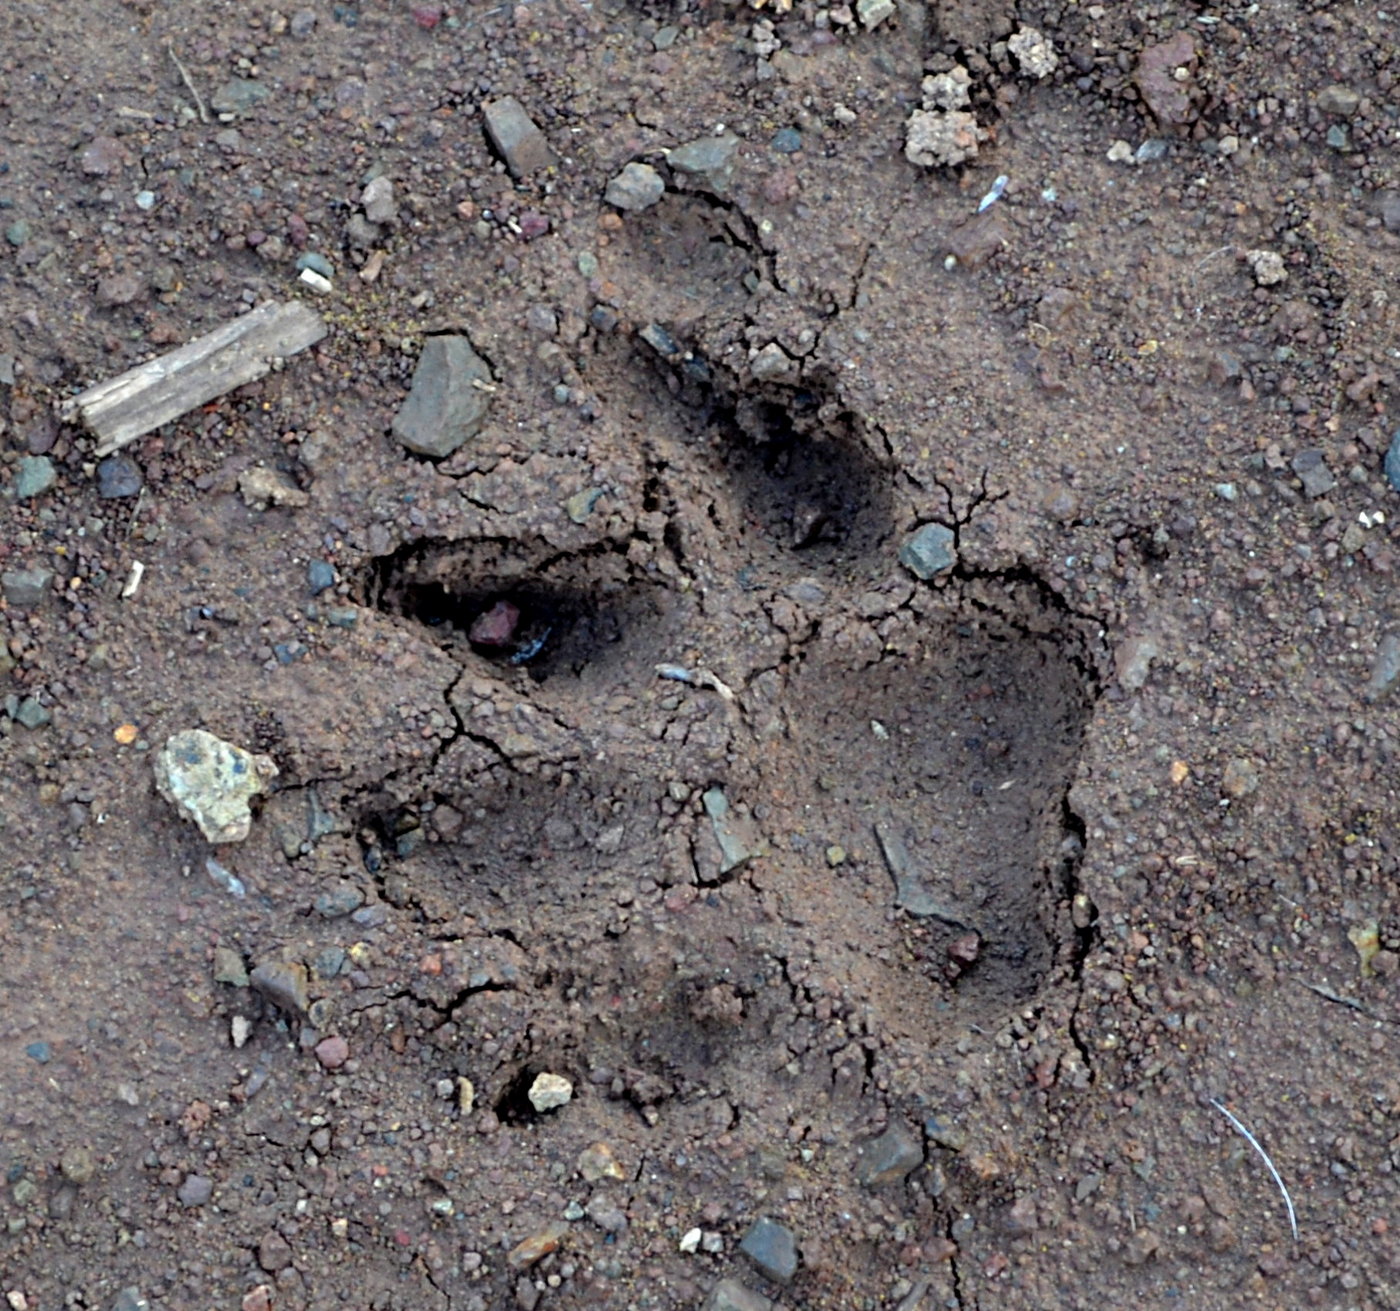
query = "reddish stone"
x=333 y=1052
x=533 y=224
x=496 y=627
x=427 y=16
x=258 y=1298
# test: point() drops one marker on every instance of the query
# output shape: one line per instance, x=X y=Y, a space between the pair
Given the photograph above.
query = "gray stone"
x=637 y=187
x=1312 y=470
x=1392 y=462
x=772 y=1249
x=360 y=232
x=18 y=232
x=731 y=1295
x=320 y=574
x=738 y=840
x=929 y=552
x=707 y=164
x=316 y=262
x=228 y=968
x=7 y=370
x=515 y=137
x=1385 y=668
x=31 y=714
x=378 y=200
x=444 y=407
x=238 y=95
x=210 y=782
x=284 y=984
x=118 y=476
x=196 y=1190
x=1388 y=203
x=130 y=1299
x=25 y=588
x=1339 y=100
x=36 y=476
x=338 y=901
x=889 y=1158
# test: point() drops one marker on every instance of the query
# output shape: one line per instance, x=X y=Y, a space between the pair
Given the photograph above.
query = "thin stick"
x=189 y=82
x=1278 y=1178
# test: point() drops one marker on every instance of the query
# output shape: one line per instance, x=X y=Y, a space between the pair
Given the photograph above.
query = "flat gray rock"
x=731 y=1295
x=772 y=1249
x=706 y=164
x=445 y=406
x=637 y=187
x=889 y=1158
x=516 y=138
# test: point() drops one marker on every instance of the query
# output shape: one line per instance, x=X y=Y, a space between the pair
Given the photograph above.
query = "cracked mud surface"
x=621 y=747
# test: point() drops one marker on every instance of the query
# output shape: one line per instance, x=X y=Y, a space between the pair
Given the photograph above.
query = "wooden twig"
x=189 y=82
x=122 y=409
x=1278 y=1178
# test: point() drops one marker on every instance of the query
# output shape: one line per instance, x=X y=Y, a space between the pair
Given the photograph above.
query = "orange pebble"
x=125 y=734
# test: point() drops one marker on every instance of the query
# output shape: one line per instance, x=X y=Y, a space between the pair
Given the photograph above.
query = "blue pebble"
x=1392 y=462
x=316 y=262
x=787 y=141
x=39 y=1051
x=319 y=576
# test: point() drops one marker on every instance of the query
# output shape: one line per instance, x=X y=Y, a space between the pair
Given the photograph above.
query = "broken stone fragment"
x=889 y=1158
x=550 y=1091
x=496 y=626
x=739 y=842
x=448 y=401
x=262 y=487
x=930 y=551
x=516 y=138
x=936 y=137
x=210 y=782
x=637 y=187
x=706 y=164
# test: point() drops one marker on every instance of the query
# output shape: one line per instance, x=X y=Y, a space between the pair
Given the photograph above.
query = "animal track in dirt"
x=904 y=778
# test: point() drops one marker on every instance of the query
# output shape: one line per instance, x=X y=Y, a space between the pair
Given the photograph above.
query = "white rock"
x=947 y=90
x=549 y=1091
x=378 y=200
x=933 y=137
x=210 y=782
x=690 y=1241
x=1033 y=52
x=240 y=1027
x=1267 y=266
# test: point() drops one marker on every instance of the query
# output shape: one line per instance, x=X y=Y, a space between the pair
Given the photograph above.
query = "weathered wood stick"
x=138 y=401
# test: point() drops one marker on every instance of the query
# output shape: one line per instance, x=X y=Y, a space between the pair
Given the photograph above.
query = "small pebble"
x=319 y=576
x=550 y=1091
x=39 y=1051
x=196 y=1190
x=35 y=477
x=332 y=1052
x=118 y=476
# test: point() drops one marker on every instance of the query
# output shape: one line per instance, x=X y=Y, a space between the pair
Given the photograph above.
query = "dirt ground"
x=915 y=933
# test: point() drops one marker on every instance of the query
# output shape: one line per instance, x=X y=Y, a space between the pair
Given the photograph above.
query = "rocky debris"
x=537 y=1246
x=930 y=551
x=731 y=1295
x=118 y=289
x=637 y=187
x=1267 y=267
x=320 y=576
x=196 y=1190
x=332 y=1052
x=1240 y=778
x=35 y=476
x=581 y=504
x=262 y=488
x=1385 y=668
x=1166 y=79
x=210 y=782
x=1313 y=473
x=943 y=132
x=606 y=1214
x=872 y=13
x=238 y=95
x=1133 y=661
x=771 y=362
x=496 y=626
x=449 y=399
x=31 y=713
x=706 y=164
x=598 y=1162
x=772 y=1249
x=910 y=891
x=515 y=137
x=25 y=588
x=1339 y=100
x=274 y=1252
x=130 y=1299
x=1391 y=466
x=118 y=476
x=550 y=1091
x=889 y=1158
x=738 y=838
x=228 y=968
x=284 y=984
x=101 y=156
x=1033 y=52
x=379 y=203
